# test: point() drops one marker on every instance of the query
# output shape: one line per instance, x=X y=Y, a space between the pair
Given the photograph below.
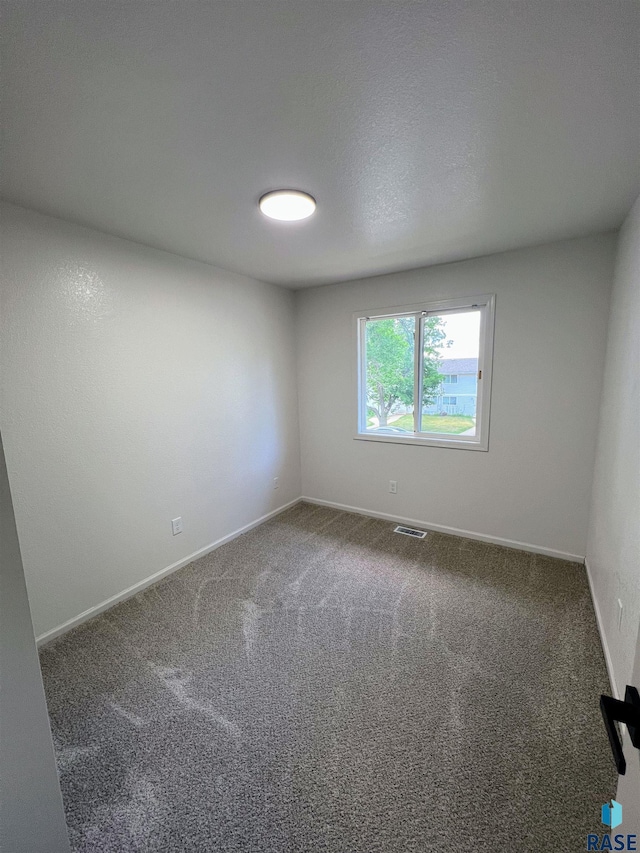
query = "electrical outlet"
x=176 y=525
x=275 y=482
x=620 y=609
x=393 y=487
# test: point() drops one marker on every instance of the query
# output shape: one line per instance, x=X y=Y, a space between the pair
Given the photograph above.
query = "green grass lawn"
x=452 y=424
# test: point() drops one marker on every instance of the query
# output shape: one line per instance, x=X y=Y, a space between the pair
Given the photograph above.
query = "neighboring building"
x=459 y=390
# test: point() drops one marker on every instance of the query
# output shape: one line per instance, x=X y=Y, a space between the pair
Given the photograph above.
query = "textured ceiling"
x=428 y=131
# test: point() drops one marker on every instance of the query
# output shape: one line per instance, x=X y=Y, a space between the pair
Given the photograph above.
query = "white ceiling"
x=428 y=131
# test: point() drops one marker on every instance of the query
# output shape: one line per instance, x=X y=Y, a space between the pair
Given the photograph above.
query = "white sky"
x=464 y=330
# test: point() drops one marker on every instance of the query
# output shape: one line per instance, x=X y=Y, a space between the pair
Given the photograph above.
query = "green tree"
x=434 y=341
x=390 y=362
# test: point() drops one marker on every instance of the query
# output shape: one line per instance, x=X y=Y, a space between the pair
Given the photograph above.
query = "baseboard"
x=154 y=578
x=452 y=531
x=603 y=638
x=439 y=528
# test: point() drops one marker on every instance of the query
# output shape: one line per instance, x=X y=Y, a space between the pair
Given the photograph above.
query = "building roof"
x=458 y=365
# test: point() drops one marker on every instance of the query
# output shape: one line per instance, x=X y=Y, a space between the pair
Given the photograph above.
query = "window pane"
x=451 y=352
x=389 y=364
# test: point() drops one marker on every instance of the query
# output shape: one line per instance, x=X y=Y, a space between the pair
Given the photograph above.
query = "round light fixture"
x=287 y=205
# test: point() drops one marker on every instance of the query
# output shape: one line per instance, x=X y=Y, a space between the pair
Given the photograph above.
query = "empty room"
x=320 y=415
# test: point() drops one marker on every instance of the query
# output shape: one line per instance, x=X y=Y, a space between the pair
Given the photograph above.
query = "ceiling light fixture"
x=287 y=205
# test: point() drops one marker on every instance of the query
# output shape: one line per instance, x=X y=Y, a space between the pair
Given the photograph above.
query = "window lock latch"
x=627 y=712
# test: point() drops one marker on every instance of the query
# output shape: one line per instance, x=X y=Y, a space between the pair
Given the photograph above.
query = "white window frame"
x=479 y=441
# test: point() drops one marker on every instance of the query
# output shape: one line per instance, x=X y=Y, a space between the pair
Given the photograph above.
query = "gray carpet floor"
x=323 y=684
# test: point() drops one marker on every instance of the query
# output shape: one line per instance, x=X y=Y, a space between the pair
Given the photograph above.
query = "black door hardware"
x=627 y=712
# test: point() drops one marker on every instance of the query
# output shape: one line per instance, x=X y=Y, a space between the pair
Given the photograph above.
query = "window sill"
x=454 y=442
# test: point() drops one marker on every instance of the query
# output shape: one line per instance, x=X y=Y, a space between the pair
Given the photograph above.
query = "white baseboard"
x=603 y=638
x=439 y=528
x=452 y=531
x=154 y=578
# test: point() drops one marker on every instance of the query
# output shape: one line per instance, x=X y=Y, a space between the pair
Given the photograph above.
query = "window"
x=405 y=357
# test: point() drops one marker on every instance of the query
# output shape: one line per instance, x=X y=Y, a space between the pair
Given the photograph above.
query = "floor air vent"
x=410 y=531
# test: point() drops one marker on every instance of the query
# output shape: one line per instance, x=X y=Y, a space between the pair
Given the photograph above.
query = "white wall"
x=629 y=784
x=137 y=386
x=613 y=549
x=613 y=552
x=533 y=484
x=31 y=812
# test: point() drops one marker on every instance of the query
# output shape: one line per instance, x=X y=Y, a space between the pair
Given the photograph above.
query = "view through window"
x=451 y=358
x=421 y=372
